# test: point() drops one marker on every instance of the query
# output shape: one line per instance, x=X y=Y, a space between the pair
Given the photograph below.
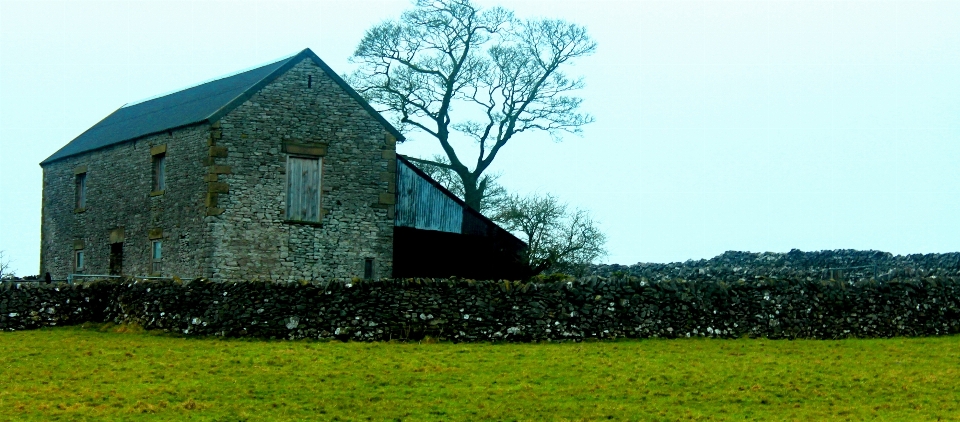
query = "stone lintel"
x=78 y=244
x=159 y=149
x=116 y=235
x=80 y=169
x=303 y=149
x=155 y=233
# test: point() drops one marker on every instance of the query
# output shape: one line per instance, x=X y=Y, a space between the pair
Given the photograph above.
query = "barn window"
x=81 y=191
x=156 y=254
x=159 y=172
x=78 y=261
x=303 y=189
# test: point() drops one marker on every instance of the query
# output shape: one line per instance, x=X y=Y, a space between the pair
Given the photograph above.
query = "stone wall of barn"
x=303 y=112
x=122 y=207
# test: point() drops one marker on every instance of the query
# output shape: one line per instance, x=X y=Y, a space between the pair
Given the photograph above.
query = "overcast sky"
x=720 y=125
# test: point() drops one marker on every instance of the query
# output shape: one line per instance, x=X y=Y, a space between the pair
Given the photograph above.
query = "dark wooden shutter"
x=303 y=189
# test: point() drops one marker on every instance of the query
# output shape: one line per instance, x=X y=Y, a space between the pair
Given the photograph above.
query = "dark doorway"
x=116 y=258
x=428 y=253
x=368 y=269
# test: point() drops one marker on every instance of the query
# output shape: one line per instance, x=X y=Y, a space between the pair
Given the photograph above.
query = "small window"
x=81 y=191
x=78 y=261
x=116 y=258
x=159 y=172
x=303 y=189
x=157 y=253
x=368 y=269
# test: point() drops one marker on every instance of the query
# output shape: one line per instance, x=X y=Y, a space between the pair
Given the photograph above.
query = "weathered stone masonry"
x=122 y=207
x=251 y=237
x=222 y=213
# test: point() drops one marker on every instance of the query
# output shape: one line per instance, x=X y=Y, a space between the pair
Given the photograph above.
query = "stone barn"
x=281 y=172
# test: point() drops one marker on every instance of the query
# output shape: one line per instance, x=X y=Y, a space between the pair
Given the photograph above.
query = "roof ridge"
x=203 y=102
x=214 y=79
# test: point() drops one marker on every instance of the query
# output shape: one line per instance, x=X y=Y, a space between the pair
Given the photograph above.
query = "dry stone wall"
x=301 y=111
x=121 y=206
x=464 y=310
x=843 y=264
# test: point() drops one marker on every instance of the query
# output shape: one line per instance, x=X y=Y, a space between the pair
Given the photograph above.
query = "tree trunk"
x=472 y=194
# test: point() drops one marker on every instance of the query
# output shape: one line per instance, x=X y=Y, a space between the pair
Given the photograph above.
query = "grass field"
x=101 y=372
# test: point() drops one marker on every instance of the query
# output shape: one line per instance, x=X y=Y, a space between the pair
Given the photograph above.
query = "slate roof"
x=202 y=103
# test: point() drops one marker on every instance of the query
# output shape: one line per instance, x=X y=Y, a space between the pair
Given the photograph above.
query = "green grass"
x=96 y=373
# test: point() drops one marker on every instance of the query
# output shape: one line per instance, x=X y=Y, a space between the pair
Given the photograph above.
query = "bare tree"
x=504 y=77
x=558 y=240
x=494 y=195
x=5 y=267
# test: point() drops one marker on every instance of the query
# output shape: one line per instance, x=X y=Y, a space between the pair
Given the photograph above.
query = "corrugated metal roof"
x=206 y=102
x=421 y=205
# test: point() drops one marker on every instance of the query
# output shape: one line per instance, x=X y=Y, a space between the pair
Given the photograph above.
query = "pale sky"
x=720 y=125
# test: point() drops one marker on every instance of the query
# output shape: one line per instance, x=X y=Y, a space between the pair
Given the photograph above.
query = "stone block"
x=215 y=169
x=214 y=211
x=116 y=235
x=155 y=233
x=304 y=149
x=158 y=149
x=218 y=187
x=388 y=154
x=389 y=139
x=388 y=198
x=218 y=152
x=388 y=176
x=212 y=198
